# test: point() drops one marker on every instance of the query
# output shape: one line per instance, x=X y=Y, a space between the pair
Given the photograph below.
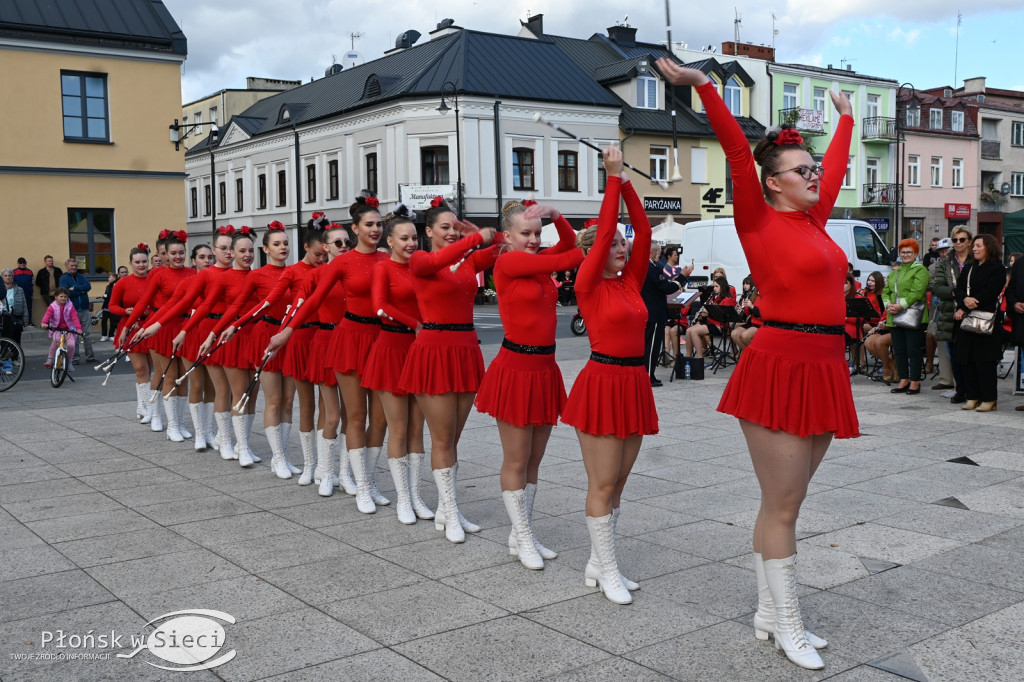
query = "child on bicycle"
x=60 y=316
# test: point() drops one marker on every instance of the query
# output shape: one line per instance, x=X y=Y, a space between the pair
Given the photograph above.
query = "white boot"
x=249 y=420
x=764 y=619
x=156 y=422
x=323 y=475
x=284 y=451
x=364 y=501
x=277 y=460
x=418 y=505
x=173 y=432
x=242 y=440
x=466 y=525
x=630 y=585
x=286 y=434
x=602 y=540
x=345 y=480
x=531 y=493
x=594 y=565
x=227 y=450
x=515 y=505
x=400 y=475
x=309 y=463
x=179 y=407
x=447 y=507
x=196 y=410
x=209 y=426
x=311 y=452
x=790 y=635
x=141 y=406
x=372 y=455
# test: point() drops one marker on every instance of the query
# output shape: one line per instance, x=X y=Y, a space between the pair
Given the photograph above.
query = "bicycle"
x=10 y=352
x=61 y=360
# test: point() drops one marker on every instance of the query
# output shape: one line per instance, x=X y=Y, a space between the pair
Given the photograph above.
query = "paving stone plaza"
x=910 y=565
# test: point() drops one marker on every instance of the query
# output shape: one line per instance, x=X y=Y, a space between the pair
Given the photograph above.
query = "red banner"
x=959 y=211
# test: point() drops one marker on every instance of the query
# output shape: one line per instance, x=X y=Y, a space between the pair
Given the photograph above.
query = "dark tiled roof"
x=735 y=69
x=589 y=55
x=135 y=24
x=659 y=121
x=750 y=127
x=622 y=70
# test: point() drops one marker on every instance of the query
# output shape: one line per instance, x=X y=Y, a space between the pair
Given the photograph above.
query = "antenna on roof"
x=354 y=37
x=736 y=25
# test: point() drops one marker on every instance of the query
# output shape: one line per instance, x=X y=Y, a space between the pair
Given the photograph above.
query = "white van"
x=711 y=244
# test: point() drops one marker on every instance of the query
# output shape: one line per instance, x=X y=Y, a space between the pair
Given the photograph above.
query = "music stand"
x=727 y=315
x=862 y=310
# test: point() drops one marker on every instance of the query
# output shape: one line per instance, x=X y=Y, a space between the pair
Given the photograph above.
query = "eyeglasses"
x=806 y=172
x=959 y=240
x=339 y=243
x=906 y=253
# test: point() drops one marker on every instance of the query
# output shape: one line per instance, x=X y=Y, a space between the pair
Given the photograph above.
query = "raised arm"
x=423 y=263
x=836 y=158
x=380 y=286
x=592 y=269
x=636 y=266
x=522 y=264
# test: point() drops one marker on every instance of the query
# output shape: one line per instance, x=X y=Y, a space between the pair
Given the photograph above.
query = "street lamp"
x=450 y=92
x=901 y=142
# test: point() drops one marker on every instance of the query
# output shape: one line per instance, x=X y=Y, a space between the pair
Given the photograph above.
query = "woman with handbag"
x=978 y=346
x=907 y=316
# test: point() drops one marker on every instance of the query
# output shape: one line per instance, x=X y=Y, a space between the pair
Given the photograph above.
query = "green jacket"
x=911 y=281
x=944 y=274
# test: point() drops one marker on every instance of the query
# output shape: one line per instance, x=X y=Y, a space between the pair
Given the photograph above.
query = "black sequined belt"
x=362 y=319
x=310 y=325
x=829 y=329
x=527 y=350
x=328 y=326
x=215 y=316
x=637 y=361
x=439 y=327
x=397 y=328
x=271 y=320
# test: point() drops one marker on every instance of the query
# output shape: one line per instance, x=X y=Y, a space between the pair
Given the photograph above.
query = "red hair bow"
x=317 y=215
x=437 y=202
x=245 y=230
x=181 y=236
x=143 y=246
x=529 y=202
x=227 y=230
x=164 y=234
x=789 y=136
x=276 y=226
x=590 y=222
x=335 y=226
x=372 y=202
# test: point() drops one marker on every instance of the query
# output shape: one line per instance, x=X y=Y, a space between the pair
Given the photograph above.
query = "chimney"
x=747 y=50
x=534 y=25
x=974 y=84
x=623 y=35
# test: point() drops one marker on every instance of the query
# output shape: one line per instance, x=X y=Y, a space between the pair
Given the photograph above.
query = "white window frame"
x=935 y=118
x=874 y=105
x=956 y=121
x=936 y=171
x=1017 y=134
x=848 y=179
x=821 y=103
x=914 y=170
x=913 y=117
x=659 y=162
x=957 y=168
x=1016 y=184
x=734 y=96
x=198 y=120
x=790 y=100
x=646 y=85
x=872 y=170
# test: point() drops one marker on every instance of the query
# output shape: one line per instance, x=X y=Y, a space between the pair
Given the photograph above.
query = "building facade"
x=87 y=169
x=220 y=106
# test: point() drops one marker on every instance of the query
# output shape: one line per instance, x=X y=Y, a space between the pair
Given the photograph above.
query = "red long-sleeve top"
x=186 y=296
x=286 y=287
x=446 y=297
x=355 y=271
x=793 y=260
x=612 y=306
x=222 y=292
x=257 y=285
x=392 y=290
x=161 y=284
x=127 y=292
x=526 y=293
x=333 y=307
x=728 y=301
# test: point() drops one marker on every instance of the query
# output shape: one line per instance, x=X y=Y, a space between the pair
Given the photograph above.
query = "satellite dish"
x=333 y=69
x=352 y=59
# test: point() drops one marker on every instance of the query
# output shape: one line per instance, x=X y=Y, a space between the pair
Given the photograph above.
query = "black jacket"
x=43 y=281
x=656 y=287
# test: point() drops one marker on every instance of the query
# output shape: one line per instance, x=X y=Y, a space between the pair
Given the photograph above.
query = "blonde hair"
x=585 y=238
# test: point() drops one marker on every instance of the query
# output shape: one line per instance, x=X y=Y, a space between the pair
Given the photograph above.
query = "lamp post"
x=450 y=92
x=176 y=137
x=901 y=142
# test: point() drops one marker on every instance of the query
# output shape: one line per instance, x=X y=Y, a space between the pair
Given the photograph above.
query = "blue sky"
x=905 y=40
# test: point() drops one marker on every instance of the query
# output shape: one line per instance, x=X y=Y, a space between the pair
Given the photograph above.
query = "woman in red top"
x=160 y=287
x=791 y=388
x=704 y=327
x=126 y=293
x=611 y=403
x=445 y=365
x=394 y=297
x=360 y=328
x=744 y=331
x=523 y=388
x=210 y=264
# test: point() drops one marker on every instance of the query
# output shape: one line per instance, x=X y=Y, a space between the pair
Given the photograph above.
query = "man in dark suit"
x=656 y=287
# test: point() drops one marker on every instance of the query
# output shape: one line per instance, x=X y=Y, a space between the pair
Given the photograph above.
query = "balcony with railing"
x=880 y=194
x=807 y=121
x=990 y=149
x=878 y=129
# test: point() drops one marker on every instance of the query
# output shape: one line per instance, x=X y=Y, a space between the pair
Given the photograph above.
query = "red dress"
x=392 y=291
x=445 y=360
x=185 y=300
x=789 y=380
x=296 y=352
x=329 y=333
x=223 y=288
x=126 y=293
x=523 y=386
x=360 y=326
x=161 y=284
x=257 y=285
x=614 y=398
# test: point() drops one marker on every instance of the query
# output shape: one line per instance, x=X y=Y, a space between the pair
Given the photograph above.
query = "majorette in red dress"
x=393 y=292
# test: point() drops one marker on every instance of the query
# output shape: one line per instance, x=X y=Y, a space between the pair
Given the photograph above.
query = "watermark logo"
x=187 y=639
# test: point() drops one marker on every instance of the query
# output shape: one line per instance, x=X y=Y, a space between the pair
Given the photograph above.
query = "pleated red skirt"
x=259 y=337
x=442 y=362
x=163 y=341
x=351 y=346
x=384 y=365
x=200 y=332
x=794 y=382
x=237 y=352
x=298 y=363
x=522 y=390
x=612 y=400
x=320 y=358
x=190 y=349
x=142 y=347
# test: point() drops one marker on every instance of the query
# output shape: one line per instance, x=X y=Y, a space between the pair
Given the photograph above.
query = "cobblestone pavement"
x=910 y=563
